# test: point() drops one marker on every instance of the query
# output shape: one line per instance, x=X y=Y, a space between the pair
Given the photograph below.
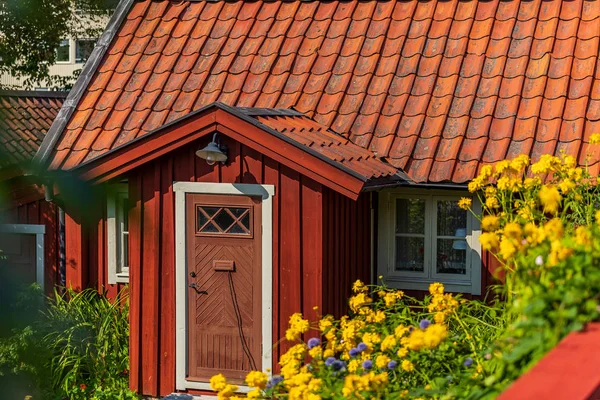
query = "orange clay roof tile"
x=436 y=87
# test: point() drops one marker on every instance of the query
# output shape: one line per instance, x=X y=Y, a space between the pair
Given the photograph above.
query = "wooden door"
x=223 y=235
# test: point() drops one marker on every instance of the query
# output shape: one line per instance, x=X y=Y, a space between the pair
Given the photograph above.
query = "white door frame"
x=266 y=192
x=30 y=229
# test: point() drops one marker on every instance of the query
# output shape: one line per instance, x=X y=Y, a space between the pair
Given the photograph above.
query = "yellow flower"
x=436 y=288
x=257 y=379
x=582 y=236
x=519 y=163
x=316 y=352
x=566 y=185
x=358 y=301
x=353 y=365
x=375 y=317
x=439 y=317
x=390 y=298
x=218 y=382
x=325 y=323
x=550 y=199
x=388 y=343
x=254 y=394
x=359 y=287
x=382 y=361
x=598 y=217
x=402 y=352
x=595 y=138
x=490 y=223
x=298 y=325
x=512 y=230
x=507 y=248
x=434 y=335
x=400 y=331
x=371 y=338
x=465 y=203
x=407 y=366
x=489 y=241
x=227 y=392
x=492 y=202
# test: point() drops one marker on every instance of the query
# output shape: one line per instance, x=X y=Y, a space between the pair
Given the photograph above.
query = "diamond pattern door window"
x=220 y=221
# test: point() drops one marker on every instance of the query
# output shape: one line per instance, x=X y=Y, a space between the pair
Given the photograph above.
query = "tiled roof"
x=25 y=117
x=436 y=87
x=318 y=137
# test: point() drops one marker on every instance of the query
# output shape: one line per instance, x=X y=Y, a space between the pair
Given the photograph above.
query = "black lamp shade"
x=212 y=154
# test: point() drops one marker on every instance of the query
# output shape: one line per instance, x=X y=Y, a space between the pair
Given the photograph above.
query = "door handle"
x=197 y=289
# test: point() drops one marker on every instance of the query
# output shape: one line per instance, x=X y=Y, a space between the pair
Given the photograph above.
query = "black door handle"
x=197 y=289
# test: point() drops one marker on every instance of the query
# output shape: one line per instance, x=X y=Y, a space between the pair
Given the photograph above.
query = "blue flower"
x=313 y=342
x=362 y=347
x=424 y=323
x=392 y=364
x=468 y=362
x=354 y=352
x=275 y=379
x=330 y=361
x=338 y=365
x=367 y=364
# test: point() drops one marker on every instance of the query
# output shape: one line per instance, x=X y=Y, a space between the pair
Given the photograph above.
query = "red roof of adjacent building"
x=25 y=117
x=435 y=87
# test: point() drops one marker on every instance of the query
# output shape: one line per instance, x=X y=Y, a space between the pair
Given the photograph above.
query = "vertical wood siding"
x=297 y=251
x=347 y=248
x=40 y=212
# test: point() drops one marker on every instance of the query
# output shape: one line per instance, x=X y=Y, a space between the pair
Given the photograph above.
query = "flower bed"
x=542 y=225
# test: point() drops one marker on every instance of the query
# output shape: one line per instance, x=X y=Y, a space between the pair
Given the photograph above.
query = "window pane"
x=63 y=50
x=451 y=256
x=83 y=50
x=451 y=220
x=410 y=216
x=224 y=220
x=410 y=254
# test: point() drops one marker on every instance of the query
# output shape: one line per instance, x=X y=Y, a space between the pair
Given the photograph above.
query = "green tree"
x=31 y=30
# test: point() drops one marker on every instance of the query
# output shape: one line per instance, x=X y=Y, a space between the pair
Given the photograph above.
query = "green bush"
x=76 y=348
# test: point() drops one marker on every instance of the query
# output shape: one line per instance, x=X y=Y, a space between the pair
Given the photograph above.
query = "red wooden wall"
x=85 y=248
x=40 y=212
x=347 y=248
x=297 y=250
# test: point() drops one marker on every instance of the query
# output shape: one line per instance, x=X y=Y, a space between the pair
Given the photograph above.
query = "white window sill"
x=122 y=278
x=423 y=284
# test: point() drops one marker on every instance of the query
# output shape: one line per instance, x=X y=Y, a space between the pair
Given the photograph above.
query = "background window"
x=83 y=49
x=63 y=52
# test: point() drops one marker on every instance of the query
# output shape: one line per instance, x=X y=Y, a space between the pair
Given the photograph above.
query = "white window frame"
x=470 y=282
x=39 y=231
x=115 y=234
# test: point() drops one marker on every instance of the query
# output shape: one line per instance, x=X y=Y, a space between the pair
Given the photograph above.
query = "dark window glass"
x=410 y=254
x=410 y=216
x=452 y=256
x=63 y=52
x=83 y=49
x=224 y=220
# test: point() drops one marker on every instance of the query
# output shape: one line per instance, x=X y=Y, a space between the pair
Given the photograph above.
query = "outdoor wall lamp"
x=214 y=152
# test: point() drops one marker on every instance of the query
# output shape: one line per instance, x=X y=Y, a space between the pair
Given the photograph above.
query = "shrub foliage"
x=76 y=348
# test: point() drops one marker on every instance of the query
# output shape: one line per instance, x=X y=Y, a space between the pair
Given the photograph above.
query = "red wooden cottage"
x=29 y=225
x=256 y=157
